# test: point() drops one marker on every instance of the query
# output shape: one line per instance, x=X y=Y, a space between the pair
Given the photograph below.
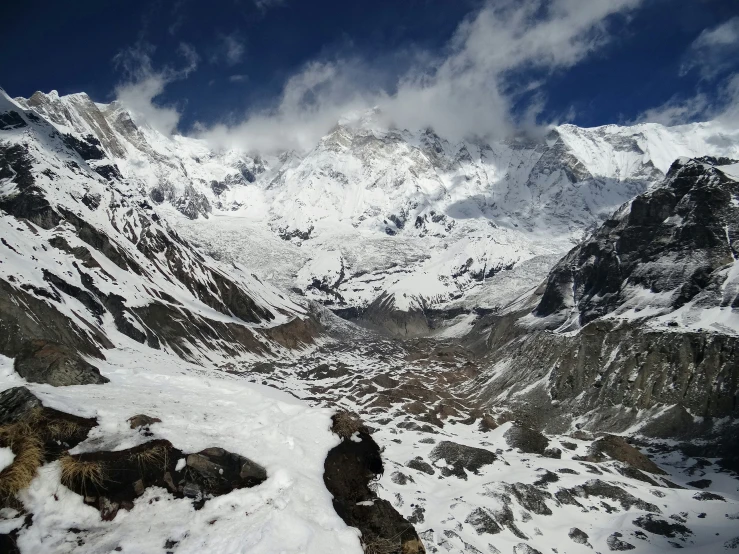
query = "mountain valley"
x=540 y=336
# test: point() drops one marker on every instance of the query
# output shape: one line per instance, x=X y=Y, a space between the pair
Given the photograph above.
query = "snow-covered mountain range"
x=388 y=224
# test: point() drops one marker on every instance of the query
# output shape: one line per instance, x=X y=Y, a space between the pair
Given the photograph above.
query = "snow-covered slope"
x=404 y=227
x=290 y=512
x=87 y=261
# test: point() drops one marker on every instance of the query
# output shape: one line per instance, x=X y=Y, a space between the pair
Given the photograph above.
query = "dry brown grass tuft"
x=29 y=455
x=381 y=546
x=157 y=456
x=346 y=423
x=79 y=474
x=62 y=429
x=52 y=428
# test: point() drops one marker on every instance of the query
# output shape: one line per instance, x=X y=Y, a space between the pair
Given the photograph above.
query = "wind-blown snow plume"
x=495 y=58
x=144 y=83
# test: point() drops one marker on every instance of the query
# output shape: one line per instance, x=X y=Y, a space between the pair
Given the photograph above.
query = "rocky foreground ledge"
x=186 y=464
x=71 y=483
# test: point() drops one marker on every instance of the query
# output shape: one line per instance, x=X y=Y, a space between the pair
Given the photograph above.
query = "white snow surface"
x=6 y=457
x=291 y=512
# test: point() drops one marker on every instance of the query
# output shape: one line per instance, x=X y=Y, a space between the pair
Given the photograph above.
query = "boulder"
x=419 y=464
x=615 y=543
x=460 y=458
x=142 y=420
x=17 y=404
x=41 y=361
x=579 y=536
x=526 y=440
x=219 y=471
x=611 y=446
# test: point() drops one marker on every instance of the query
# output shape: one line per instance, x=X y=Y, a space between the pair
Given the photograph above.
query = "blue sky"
x=284 y=70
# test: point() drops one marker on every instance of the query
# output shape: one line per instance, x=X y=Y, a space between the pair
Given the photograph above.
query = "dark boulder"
x=461 y=458
x=41 y=361
x=615 y=543
x=526 y=439
x=419 y=464
x=218 y=471
x=17 y=404
x=578 y=536
x=616 y=448
x=348 y=470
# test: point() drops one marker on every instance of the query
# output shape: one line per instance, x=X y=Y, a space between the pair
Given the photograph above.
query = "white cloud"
x=470 y=90
x=238 y=78
x=144 y=84
x=728 y=113
x=677 y=111
x=714 y=51
x=233 y=49
x=722 y=107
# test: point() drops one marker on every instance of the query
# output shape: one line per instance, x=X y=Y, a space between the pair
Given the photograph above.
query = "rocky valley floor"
x=472 y=480
x=469 y=479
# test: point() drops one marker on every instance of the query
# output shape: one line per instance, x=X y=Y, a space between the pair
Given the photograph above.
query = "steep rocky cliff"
x=87 y=262
x=638 y=324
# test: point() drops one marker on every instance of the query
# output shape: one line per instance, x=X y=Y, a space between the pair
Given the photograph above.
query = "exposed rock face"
x=348 y=470
x=670 y=255
x=382 y=314
x=659 y=526
x=41 y=361
x=603 y=489
x=674 y=241
x=526 y=439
